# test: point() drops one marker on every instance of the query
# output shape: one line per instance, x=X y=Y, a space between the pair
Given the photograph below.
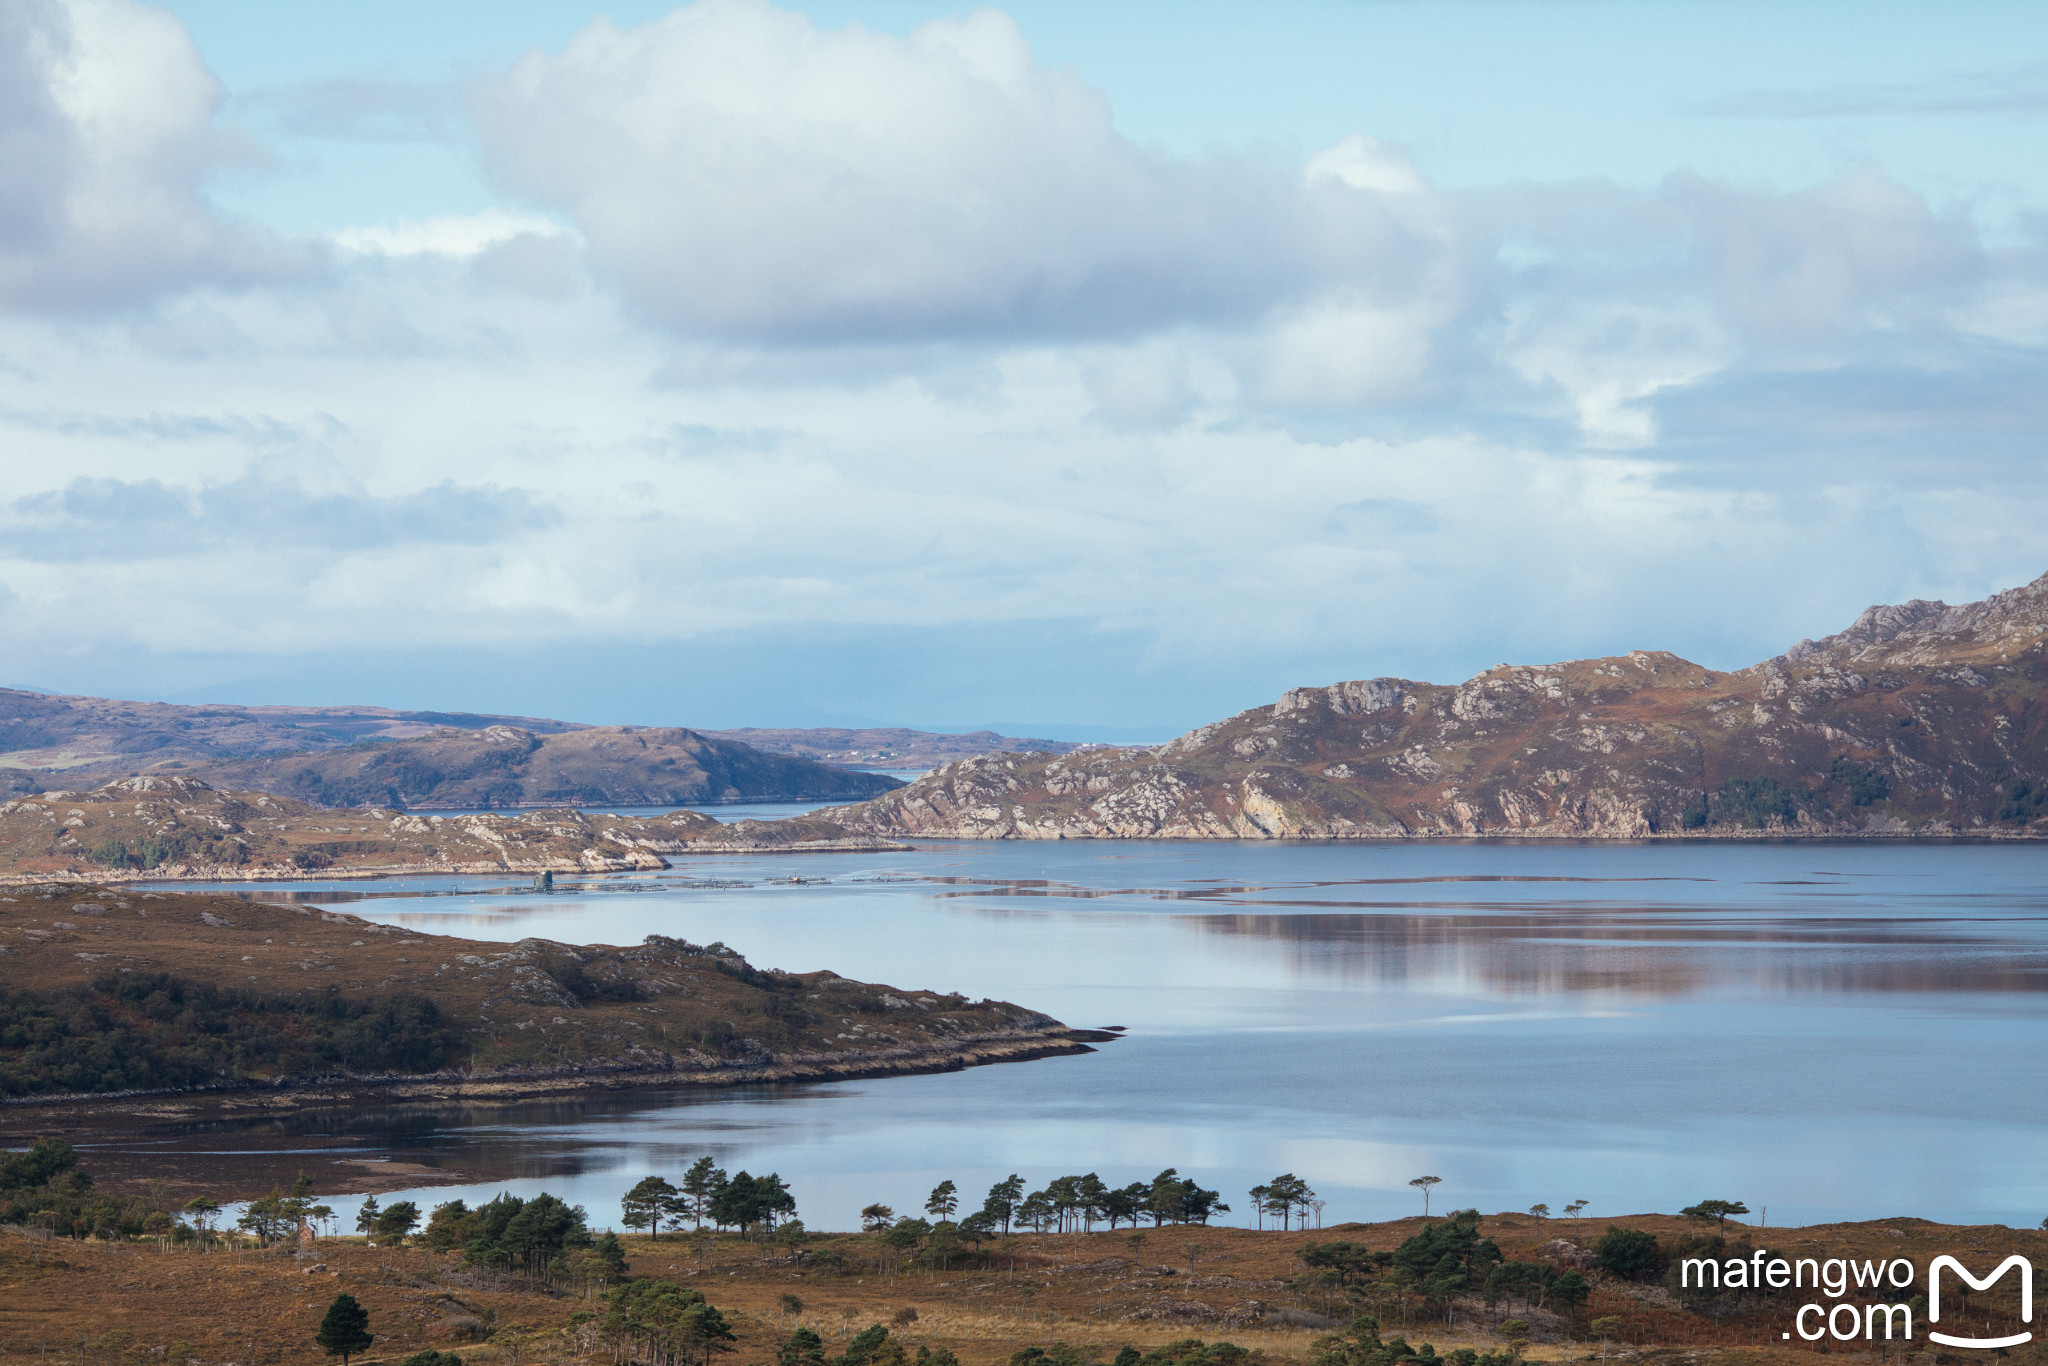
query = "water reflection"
x=1827 y=1029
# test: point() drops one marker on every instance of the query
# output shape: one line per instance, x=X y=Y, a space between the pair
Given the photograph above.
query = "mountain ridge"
x=1918 y=719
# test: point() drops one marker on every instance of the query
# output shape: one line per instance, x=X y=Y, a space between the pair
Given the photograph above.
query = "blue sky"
x=1101 y=369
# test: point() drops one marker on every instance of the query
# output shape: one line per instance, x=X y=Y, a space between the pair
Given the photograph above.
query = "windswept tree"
x=344 y=1329
x=1540 y=1211
x=944 y=1199
x=1282 y=1197
x=1174 y=1200
x=1570 y=1291
x=1125 y=1203
x=1423 y=1183
x=747 y=1201
x=1036 y=1212
x=395 y=1223
x=875 y=1218
x=701 y=1183
x=1090 y=1197
x=1717 y=1210
x=647 y=1203
x=202 y=1213
x=1001 y=1204
x=1576 y=1208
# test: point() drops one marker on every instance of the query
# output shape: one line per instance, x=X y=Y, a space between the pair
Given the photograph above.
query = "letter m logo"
x=2026 y=1270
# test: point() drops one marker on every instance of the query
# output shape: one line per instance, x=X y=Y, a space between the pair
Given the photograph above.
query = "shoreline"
x=910 y=844
x=212 y=1104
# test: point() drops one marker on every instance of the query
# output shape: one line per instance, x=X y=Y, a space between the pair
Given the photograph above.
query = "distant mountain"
x=100 y=735
x=887 y=746
x=373 y=756
x=1919 y=719
x=509 y=766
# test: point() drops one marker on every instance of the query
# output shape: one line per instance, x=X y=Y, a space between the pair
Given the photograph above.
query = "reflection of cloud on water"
x=1581 y=951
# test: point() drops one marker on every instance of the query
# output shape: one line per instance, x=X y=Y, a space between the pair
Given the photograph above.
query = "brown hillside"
x=506 y=1019
x=55 y=733
x=507 y=767
x=1920 y=719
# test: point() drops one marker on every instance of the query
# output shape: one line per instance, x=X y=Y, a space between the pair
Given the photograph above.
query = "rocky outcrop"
x=1920 y=719
x=182 y=827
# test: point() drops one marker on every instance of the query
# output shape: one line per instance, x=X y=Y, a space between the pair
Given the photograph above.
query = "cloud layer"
x=785 y=333
x=107 y=137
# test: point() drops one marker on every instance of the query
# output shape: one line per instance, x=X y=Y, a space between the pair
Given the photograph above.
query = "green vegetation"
x=658 y=1322
x=1862 y=785
x=1755 y=802
x=1717 y=1210
x=345 y=1329
x=1282 y=1197
x=1628 y=1252
x=183 y=846
x=2024 y=802
x=1360 y=1345
x=137 y=1031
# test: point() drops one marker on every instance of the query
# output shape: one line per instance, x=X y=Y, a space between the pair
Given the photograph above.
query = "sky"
x=1090 y=371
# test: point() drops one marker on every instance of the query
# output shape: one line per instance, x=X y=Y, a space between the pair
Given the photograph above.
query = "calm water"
x=1829 y=1031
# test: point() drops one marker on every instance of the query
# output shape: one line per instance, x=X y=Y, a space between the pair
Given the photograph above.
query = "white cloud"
x=106 y=136
x=745 y=174
x=459 y=235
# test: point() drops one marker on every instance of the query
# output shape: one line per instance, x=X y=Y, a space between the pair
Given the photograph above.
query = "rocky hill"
x=181 y=827
x=110 y=737
x=511 y=767
x=887 y=746
x=1919 y=719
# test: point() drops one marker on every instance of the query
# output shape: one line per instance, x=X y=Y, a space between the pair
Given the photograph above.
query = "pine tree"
x=346 y=1328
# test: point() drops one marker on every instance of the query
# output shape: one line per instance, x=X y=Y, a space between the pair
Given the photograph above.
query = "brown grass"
x=261 y=1309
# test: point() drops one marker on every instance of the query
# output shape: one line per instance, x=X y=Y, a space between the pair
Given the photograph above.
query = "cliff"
x=182 y=827
x=1919 y=719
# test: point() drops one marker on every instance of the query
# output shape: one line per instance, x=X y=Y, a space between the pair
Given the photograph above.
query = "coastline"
x=514 y=1085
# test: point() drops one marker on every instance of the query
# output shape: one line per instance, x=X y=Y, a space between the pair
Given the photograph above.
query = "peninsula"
x=216 y=1005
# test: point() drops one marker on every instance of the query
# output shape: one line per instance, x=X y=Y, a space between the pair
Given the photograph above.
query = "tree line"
x=705 y=1192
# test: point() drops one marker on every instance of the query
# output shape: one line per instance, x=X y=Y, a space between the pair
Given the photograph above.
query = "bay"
x=1826 y=1031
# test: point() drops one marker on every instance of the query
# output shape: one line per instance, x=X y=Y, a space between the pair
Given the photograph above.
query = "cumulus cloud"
x=106 y=134
x=742 y=173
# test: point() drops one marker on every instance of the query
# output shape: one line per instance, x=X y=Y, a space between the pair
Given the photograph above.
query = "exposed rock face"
x=181 y=827
x=1920 y=719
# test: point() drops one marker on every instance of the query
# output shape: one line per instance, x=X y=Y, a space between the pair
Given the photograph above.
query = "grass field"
x=101 y=1302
